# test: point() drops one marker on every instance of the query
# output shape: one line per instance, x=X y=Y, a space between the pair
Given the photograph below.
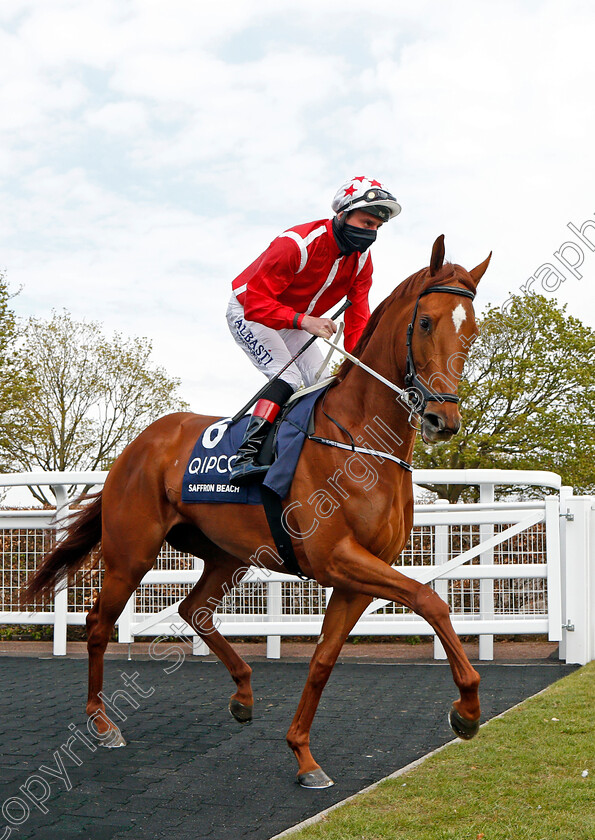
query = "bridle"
x=415 y=396
x=418 y=394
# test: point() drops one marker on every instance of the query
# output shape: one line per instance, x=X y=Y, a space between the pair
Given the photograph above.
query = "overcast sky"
x=149 y=151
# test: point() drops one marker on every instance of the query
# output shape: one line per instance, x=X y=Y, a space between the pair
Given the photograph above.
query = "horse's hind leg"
x=124 y=572
x=197 y=611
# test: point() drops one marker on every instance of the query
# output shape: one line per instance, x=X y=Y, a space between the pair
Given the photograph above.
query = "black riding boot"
x=246 y=468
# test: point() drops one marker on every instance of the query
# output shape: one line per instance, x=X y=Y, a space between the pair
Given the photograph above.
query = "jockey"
x=283 y=295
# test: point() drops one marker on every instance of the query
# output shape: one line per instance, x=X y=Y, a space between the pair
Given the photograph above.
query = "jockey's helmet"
x=367 y=194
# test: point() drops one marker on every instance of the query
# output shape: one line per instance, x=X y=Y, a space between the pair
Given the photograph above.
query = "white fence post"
x=565 y=495
x=125 y=620
x=199 y=646
x=274 y=614
x=578 y=615
x=61 y=590
x=554 y=585
x=486 y=586
x=441 y=555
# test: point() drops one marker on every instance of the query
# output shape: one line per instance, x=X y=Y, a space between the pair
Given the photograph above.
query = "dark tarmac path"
x=190 y=771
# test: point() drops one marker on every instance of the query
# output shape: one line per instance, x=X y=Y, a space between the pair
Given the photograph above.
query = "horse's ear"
x=437 y=255
x=479 y=270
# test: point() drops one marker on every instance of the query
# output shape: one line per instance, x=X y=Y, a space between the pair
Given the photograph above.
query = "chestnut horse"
x=352 y=546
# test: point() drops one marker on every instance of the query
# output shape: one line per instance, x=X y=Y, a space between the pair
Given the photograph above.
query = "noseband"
x=418 y=394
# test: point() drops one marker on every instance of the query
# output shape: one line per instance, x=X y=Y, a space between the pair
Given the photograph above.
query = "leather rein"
x=415 y=394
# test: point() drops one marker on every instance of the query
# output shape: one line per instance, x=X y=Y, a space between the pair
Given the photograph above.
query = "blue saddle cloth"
x=206 y=478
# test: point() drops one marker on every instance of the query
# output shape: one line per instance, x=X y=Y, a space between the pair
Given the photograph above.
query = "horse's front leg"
x=343 y=611
x=354 y=568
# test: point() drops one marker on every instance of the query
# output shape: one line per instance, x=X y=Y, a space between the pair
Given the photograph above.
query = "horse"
x=349 y=515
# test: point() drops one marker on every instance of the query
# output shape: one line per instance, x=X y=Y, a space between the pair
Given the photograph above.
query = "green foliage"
x=528 y=398
x=92 y=396
x=16 y=384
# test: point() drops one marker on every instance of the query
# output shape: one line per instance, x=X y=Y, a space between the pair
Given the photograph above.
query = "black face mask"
x=351 y=239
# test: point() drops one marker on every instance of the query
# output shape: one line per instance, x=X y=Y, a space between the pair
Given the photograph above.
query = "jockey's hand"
x=322 y=327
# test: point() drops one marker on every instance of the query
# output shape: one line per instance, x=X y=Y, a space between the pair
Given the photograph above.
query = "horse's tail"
x=83 y=533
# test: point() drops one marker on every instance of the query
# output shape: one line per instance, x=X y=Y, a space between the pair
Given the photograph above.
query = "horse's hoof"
x=315 y=779
x=112 y=739
x=243 y=714
x=463 y=728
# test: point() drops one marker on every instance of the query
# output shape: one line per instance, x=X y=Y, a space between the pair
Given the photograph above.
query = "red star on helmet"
x=360 y=178
x=375 y=184
x=350 y=190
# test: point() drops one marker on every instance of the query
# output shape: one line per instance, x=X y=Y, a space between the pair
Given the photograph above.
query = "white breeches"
x=269 y=350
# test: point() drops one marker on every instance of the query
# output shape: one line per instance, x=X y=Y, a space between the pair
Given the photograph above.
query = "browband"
x=453 y=290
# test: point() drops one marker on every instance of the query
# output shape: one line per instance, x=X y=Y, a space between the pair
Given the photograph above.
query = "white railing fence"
x=505 y=568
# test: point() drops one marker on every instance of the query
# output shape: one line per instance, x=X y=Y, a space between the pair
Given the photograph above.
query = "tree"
x=92 y=396
x=528 y=397
x=16 y=384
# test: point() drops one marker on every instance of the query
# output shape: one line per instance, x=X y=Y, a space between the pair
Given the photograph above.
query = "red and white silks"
x=302 y=272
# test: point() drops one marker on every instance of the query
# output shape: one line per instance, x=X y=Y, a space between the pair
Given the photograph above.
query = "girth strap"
x=274 y=513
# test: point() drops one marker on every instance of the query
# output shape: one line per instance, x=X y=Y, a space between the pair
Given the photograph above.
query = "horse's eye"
x=425 y=324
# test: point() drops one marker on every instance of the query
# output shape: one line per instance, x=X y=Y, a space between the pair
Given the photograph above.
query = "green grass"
x=520 y=779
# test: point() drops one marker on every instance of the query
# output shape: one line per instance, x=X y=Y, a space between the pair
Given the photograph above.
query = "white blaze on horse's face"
x=458 y=316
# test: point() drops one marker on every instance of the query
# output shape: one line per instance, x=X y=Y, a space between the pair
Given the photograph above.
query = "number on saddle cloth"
x=213 y=435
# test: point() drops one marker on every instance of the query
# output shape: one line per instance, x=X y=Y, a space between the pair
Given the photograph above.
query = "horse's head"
x=440 y=333
x=438 y=303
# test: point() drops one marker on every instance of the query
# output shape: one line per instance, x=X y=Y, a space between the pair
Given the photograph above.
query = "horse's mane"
x=415 y=284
